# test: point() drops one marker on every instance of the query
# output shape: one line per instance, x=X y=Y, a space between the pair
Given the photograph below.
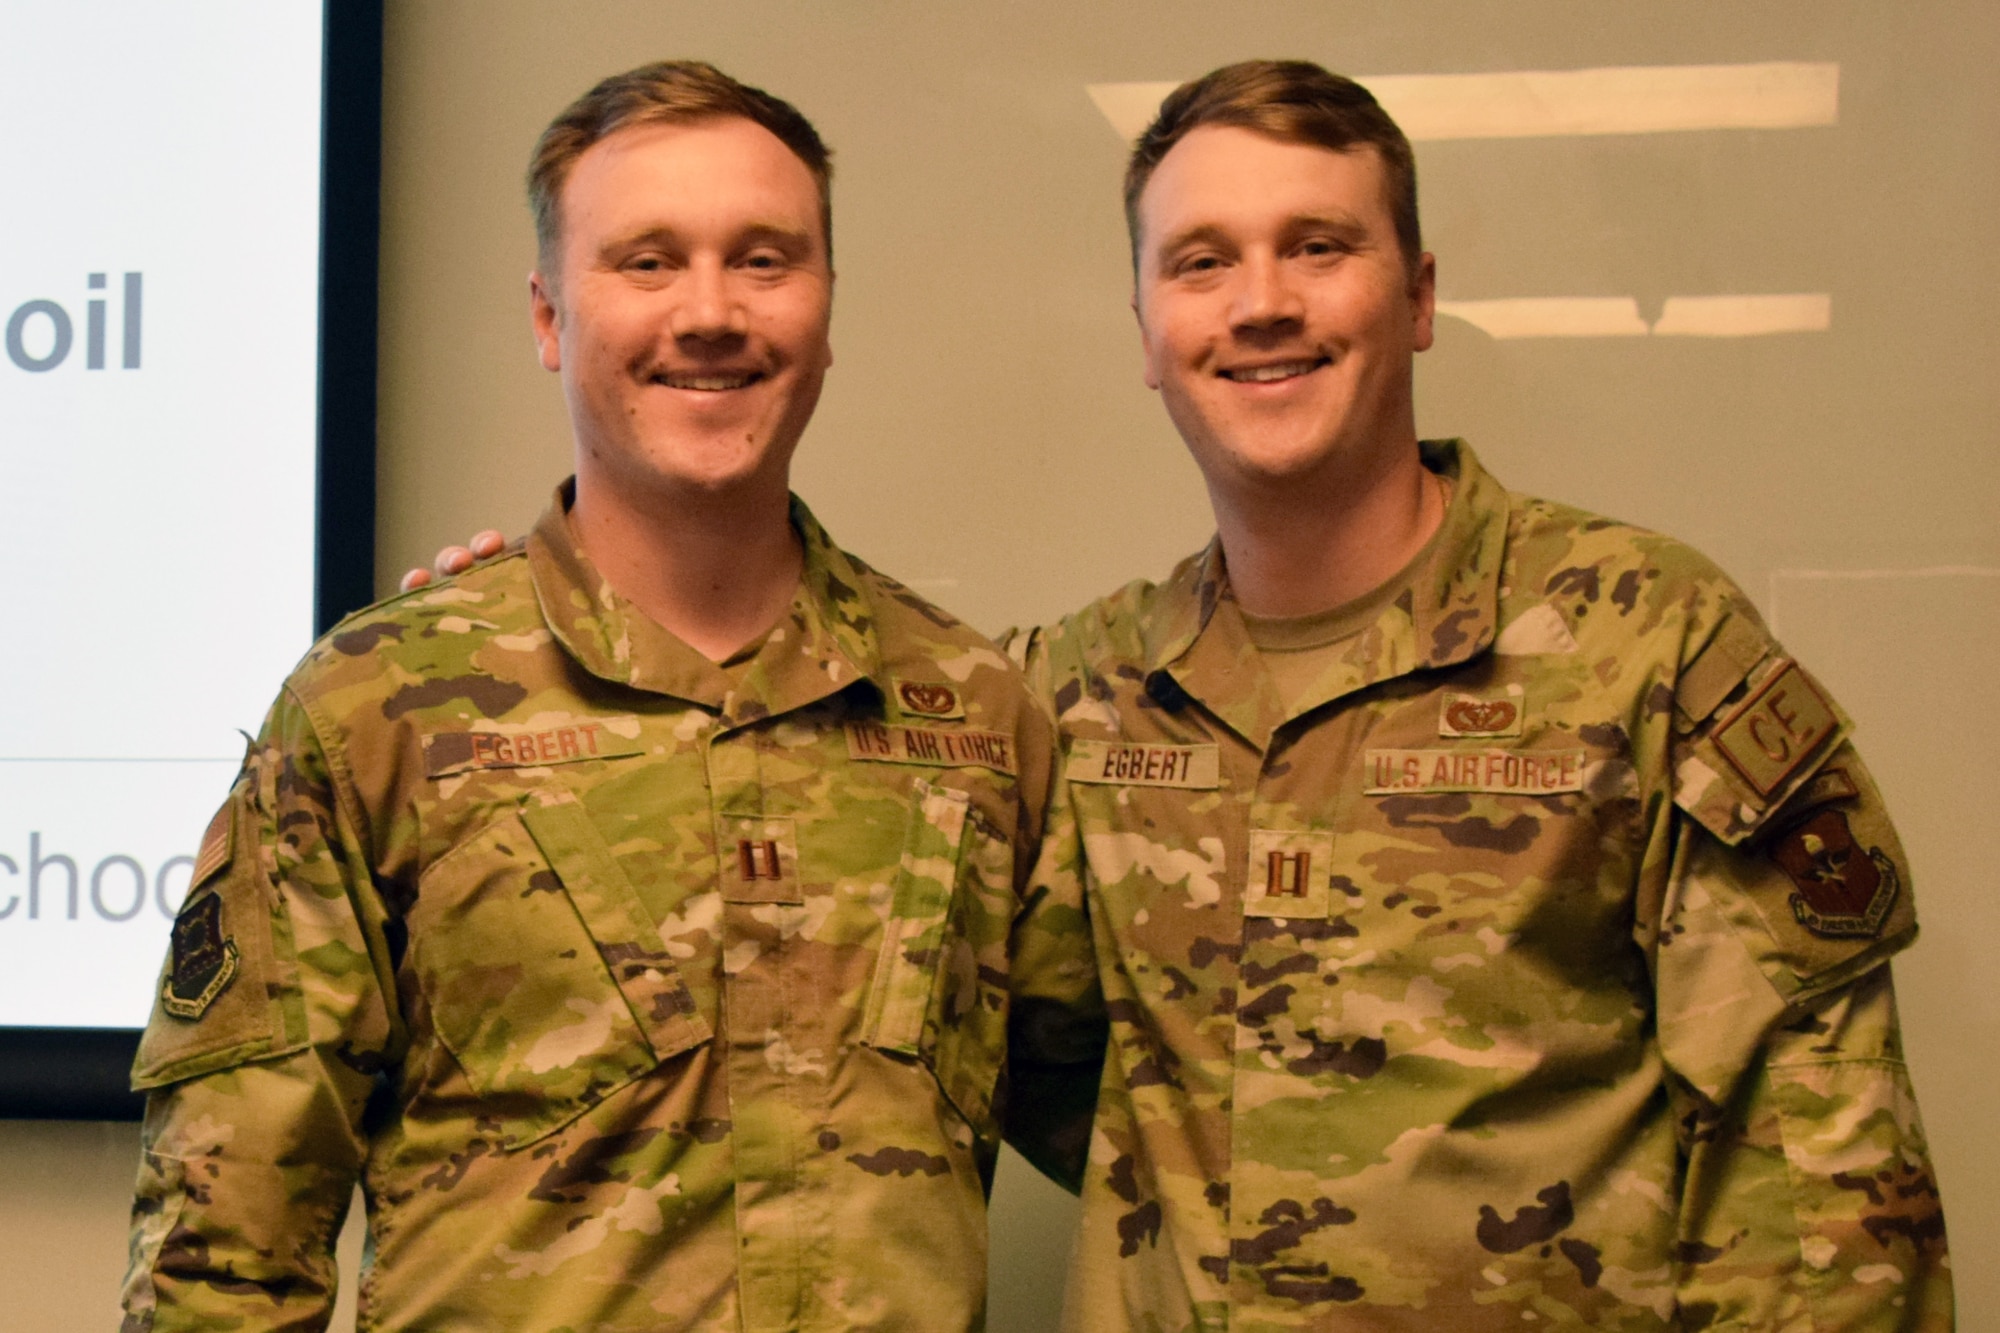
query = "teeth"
x=1265 y=374
x=711 y=382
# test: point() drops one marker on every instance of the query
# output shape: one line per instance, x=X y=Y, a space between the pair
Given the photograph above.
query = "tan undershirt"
x=1297 y=650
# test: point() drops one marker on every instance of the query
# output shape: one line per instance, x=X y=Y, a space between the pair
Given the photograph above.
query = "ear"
x=1423 y=299
x=547 y=321
x=1149 y=371
x=830 y=277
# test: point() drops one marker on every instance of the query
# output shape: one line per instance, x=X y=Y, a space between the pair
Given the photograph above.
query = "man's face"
x=689 y=316
x=1276 y=310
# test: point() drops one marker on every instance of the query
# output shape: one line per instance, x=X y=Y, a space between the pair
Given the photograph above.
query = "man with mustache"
x=639 y=917
x=1493 y=920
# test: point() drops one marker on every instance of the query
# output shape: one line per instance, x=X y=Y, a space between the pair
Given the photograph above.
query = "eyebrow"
x=1199 y=234
x=1346 y=224
x=757 y=233
x=1343 y=224
x=778 y=233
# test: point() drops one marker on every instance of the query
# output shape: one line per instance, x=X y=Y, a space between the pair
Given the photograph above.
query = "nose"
x=1265 y=297
x=708 y=309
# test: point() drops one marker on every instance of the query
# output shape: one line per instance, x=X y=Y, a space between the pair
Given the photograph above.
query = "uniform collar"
x=1198 y=648
x=824 y=644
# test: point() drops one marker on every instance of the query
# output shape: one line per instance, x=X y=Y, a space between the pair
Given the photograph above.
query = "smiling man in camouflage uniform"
x=633 y=917
x=1493 y=919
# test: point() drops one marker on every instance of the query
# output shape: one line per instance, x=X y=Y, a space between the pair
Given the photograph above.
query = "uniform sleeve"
x=1057 y=1029
x=1809 y=1199
x=268 y=1027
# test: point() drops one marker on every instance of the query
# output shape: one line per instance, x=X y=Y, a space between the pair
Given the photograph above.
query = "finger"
x=453 y=560
x=415 y=579
x=489 y=543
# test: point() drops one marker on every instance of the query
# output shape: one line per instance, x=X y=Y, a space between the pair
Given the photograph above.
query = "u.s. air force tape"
x=1126 y=764
x=1519 y=772
x=938 y=747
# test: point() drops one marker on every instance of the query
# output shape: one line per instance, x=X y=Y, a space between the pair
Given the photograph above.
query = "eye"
x=647 y=262
x=764 y=261
x=1322 y=247
x=1197 y=263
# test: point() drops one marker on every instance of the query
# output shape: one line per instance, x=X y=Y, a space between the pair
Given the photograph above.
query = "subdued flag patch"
x=214 y=853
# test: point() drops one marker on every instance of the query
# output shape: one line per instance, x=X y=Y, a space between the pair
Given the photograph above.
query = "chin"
x=1275 y=463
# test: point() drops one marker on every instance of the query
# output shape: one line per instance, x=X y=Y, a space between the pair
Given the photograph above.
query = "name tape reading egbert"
x=448 y=752
x=939 y=747
x=1126 y=765
x=1518 y=772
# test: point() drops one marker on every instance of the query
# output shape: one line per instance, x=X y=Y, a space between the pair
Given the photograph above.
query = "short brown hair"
x=1292 y=100
x=664 y=92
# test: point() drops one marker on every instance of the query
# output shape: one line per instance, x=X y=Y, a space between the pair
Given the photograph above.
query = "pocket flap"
x=628 y=939
x=913 y=938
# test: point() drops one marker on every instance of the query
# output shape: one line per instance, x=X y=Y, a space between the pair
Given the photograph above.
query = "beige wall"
x=986 y=437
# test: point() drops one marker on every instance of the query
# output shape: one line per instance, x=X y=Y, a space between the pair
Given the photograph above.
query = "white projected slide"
x=158 y=286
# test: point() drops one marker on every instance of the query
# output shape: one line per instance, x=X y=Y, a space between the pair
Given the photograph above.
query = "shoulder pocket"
x=1823 y=893
x=940 y=985
x=544 y=971
x=227 y=993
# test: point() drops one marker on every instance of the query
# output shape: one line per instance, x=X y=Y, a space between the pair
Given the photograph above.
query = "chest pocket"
x=544 y=971
x=939 y=991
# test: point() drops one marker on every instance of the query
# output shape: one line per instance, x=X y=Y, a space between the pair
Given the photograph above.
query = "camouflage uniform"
x=1531 y=969
x=633 y=1000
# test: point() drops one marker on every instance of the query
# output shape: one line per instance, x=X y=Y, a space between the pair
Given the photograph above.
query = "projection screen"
x=162 y=413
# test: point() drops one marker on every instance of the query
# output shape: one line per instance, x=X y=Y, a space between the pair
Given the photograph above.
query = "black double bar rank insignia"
x=204 y=960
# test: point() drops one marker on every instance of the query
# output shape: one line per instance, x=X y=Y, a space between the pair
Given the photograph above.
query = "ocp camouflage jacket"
x=634 y=1001
x=1531 y=969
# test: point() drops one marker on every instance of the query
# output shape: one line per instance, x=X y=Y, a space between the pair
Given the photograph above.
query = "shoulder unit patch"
x=204 y=960
x=1840 y=889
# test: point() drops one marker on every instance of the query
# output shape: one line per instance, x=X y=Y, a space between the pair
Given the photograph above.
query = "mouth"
x=1273 y=373
x=708 y=381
